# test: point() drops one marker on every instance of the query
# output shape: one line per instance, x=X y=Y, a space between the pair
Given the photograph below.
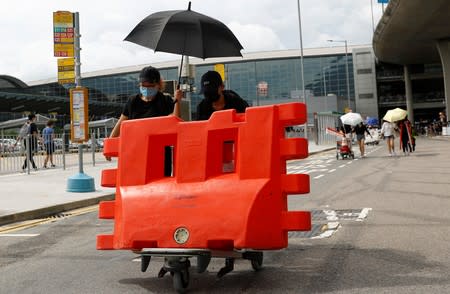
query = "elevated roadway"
x=415 y=32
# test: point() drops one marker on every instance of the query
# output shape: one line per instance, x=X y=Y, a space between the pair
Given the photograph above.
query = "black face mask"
x=211 y=95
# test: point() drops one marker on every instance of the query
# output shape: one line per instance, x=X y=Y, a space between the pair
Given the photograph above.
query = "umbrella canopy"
x=394 y=115
x=185 y=32
x=351 y=118
x=372 y=121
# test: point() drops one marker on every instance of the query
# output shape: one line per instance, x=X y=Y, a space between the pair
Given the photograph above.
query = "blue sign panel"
x=383 y=1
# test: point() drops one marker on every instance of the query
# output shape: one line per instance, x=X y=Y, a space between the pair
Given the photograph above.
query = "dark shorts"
x=49 y=148
x=360 y=137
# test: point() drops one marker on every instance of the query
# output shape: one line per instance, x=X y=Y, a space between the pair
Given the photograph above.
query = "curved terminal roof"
x=409 y=29
x=11 y=82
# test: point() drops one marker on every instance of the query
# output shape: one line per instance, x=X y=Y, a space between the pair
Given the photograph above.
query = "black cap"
x=149 y=74
x=211 y=79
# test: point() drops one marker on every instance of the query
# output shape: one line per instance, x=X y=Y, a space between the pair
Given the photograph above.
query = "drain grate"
x=316 y=230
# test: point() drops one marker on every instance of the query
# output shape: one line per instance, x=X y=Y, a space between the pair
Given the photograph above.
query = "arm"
x=116 y=130
x=176 y=108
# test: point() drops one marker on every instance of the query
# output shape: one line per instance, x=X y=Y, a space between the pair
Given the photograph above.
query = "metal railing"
x=19 y=155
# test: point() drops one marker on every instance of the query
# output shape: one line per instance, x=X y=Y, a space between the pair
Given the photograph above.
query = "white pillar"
x=444 y=50
x=408 y=94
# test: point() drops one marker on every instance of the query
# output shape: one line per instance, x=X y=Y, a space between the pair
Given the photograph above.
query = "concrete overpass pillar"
x=408 y=94
x=444 y=50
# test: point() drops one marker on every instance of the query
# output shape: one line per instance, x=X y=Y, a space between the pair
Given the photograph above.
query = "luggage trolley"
x=219 y=166
x=344 y=147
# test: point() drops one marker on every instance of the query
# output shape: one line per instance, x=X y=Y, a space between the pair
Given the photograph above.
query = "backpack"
x=24 y=130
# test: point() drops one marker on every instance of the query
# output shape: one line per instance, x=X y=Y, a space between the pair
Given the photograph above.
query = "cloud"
x=254 y=37
x=27 y=45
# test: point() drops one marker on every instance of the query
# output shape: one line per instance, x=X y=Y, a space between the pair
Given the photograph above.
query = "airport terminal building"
x=374 y=86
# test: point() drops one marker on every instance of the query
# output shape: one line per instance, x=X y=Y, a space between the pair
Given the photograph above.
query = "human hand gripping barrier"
x=228 y=189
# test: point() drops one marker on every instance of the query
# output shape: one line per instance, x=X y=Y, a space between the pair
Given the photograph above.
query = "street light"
x=301 y=63
x=346 y=69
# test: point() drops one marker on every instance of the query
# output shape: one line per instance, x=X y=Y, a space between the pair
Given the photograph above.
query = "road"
x=381 y=225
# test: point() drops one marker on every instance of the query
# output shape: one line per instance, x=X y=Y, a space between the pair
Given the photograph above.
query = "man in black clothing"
x=150 y=102
x=30 y=142
x=216 y=97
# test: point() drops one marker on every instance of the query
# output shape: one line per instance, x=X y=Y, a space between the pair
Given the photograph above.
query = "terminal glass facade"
x=323 y=75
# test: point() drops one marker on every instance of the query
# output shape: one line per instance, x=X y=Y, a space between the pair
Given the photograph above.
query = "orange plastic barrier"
x=229 y=186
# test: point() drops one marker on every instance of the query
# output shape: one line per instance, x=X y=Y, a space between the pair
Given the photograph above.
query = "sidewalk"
x=43 y=193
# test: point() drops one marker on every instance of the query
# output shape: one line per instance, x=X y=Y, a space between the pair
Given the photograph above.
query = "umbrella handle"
x=181 y=66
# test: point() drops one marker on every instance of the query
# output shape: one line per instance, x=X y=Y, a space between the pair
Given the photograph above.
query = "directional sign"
x=66 y=71
x=383 y=1
x=63 y=34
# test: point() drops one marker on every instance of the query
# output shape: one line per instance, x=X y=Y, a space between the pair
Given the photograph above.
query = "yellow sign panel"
x=66 y=62
x=63 y=17
x=63 y=75
x=64 y=50
x=63 y=33
x=220 y=68
x=66 y=70
x=79 y=114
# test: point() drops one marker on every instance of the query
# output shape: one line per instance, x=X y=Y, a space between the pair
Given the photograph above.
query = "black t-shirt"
x=232 y=101
x=361 y=129
x=135 y=107
x=33 y=140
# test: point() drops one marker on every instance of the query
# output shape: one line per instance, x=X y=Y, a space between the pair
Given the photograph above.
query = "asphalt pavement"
x=43 y=193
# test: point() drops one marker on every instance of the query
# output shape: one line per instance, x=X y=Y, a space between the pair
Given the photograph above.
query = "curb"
x=320 y=151
x=51 y=210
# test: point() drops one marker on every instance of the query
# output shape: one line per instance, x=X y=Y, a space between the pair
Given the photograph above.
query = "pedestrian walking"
x=30 y=142
x=387 y=132
x=150 y=102
x=216 y=97
x=406 y=138
x=360 y=131
x=48 y=136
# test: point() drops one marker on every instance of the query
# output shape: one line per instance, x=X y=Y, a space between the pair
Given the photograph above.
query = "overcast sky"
x=26 y=28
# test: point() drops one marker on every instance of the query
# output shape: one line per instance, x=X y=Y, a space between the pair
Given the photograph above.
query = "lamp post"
x=325 y=70
x=301 y=63
x=346 y=69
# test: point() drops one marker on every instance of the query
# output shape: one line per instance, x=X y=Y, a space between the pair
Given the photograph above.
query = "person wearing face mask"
x=150 y=102
x=216 y=97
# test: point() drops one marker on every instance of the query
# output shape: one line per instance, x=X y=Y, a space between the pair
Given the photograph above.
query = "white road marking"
x=19 y=235
x=318 y=177
x=363 y=214
x=333 y=170
x=341 y=166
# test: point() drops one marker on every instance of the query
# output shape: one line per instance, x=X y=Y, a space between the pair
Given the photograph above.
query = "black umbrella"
x=185 y=32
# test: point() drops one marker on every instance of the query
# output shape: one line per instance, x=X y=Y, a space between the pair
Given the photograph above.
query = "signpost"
x=66 y=38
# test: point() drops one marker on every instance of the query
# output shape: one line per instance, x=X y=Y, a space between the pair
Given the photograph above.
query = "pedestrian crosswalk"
x=320 y=165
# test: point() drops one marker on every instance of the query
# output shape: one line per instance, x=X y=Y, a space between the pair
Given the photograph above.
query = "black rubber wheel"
x=257 y=262
x=181 y=280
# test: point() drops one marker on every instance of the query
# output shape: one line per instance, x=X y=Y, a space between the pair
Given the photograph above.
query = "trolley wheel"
x=181 y=280
x=257 y=261
x=353 y=156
